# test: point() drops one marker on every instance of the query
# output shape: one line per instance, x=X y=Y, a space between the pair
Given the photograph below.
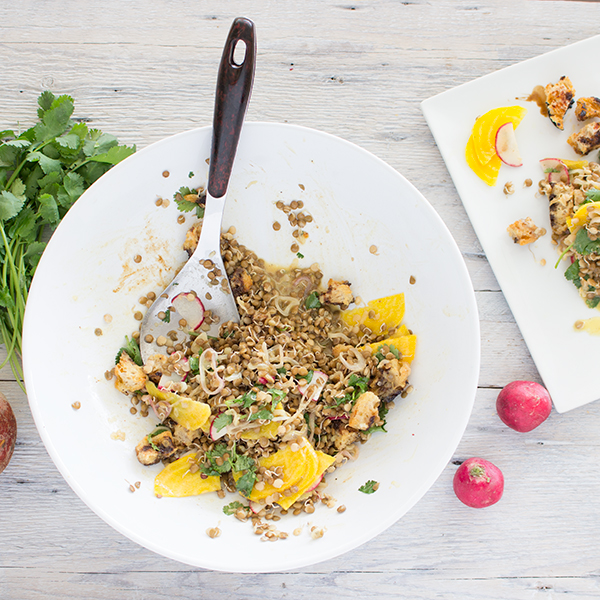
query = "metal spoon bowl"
x=161 y=326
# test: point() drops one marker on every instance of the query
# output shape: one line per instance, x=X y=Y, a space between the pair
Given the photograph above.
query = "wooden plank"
x=145 y=70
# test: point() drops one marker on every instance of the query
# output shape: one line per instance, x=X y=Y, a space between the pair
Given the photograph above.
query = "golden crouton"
x=345 y=437
x=338 y=293
x=525 y=231
x=365 y=411
x=161 y=446
x=586 y=139
x=240 y=282
x=390 y=378
x=559 y=98
x=129 y=376
x=191 y=238
x=587 y=108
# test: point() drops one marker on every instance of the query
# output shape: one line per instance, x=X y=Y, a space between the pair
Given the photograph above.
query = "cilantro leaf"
x=132 y=349
x=233 y=507
x=160 y=429
x=222 y=421
x=360 y=383
x=114 y=155
x=369 y=488
x=194 y=363
x=264 y=413
x=10 y=205
x=234 y=462
x=593 y=302
x=592 y=195
x=246 y=482
x=312 y=300
x=584 y=245
x=246 y=400
x=572 y=274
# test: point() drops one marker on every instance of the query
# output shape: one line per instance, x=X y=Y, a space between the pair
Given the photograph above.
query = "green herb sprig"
x=43 y=171
x=369 y=488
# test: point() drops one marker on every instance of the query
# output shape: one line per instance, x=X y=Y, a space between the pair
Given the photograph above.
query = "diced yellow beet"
x=188 y=413
x=580 y=217
x=177 y=481
x=574 y=164
x=324 y=462
x=299 y=467
x=405 y=344
x=389 y=312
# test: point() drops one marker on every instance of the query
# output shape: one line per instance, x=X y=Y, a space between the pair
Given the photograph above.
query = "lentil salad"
x=273 y=404
x=574 y=204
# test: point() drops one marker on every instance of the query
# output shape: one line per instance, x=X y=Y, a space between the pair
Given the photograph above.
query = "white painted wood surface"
x=145 y=69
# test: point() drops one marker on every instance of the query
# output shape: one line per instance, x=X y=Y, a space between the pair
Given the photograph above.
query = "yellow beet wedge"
x=299 y=469
x=324 y=462
x=488 y=172
x=486 y=127
x=268 y=430
x=188 y=413
x=385 y=313
x=405 y=344
x=177 y=481
x=579 y=219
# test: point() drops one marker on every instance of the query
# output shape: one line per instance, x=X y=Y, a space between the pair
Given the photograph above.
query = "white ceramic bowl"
x=88 y=271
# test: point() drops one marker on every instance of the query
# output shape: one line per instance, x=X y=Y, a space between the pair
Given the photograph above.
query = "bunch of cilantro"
x=43 y=170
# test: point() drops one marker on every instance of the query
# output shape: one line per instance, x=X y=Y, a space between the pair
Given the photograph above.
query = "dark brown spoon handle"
x=234 y=85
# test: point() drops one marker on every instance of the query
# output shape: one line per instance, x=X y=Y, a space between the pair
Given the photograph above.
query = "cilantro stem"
x=563 y=255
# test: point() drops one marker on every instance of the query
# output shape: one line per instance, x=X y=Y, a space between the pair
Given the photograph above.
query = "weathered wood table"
x=144 y=70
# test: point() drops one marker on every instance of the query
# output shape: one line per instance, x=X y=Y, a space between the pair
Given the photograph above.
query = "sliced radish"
x=556 y=169
x=255 y=507
x=172 y=383
x=506 y=146
x=313 y=389
x=315 y=484
x=190 y=308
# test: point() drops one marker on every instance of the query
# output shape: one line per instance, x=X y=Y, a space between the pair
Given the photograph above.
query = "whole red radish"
x=523 y=405
x=478 y=483
x=8 y=432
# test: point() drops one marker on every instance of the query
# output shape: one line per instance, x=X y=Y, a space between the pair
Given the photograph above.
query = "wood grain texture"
x=144 y=70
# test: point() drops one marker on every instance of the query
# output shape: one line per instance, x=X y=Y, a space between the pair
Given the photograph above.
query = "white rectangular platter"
x=544 y=304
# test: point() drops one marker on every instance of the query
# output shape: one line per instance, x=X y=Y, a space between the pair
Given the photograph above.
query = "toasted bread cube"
x=129 y=376
x=338 y=293
x=587 y=108
x=586 y=139
x=559 y=98
x=149 y=452
x=391 y=378
x=365 y=411
x=525 y=231
x=240 y=281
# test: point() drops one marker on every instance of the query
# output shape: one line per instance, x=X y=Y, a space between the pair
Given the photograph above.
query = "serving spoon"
x=202 y=283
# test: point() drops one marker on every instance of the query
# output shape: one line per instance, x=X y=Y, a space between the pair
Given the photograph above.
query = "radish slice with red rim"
x=555 y=169
x=190 y=308
x=506 y=146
